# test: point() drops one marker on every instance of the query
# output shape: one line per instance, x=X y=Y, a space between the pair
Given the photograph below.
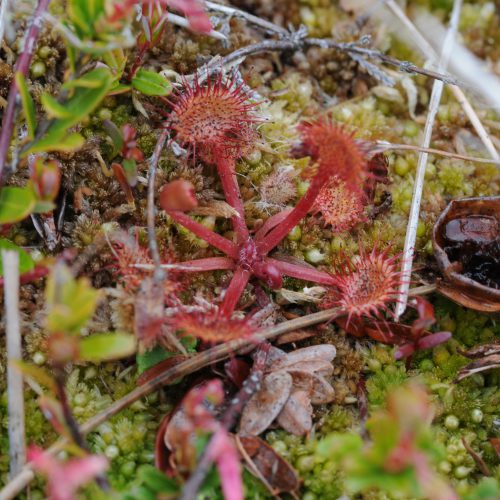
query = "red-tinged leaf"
x=162 y=453
x=52 y=412
x=426 y=316
x=64 y=479
x=404 y=351
x=159 y=368
x=237 y=371
x=495 y=442
x=121 y=177
x=354 y=327
x=430 y=341
x=223 y=452
x=278 y=473
x=195 y=12
x=178 y=195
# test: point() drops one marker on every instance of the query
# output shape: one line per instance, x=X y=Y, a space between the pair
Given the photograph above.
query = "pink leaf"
x=404 y=351
x=226 y=457
x=64 y=479
x=194 y=11
x=425 y=315
x=433 y=340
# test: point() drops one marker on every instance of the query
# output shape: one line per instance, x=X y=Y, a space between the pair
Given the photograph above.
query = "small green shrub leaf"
x=28 y=105
x=70 y=302
x=16 y=203
x=71 y=142
x=53 y=108
x=147 y=359
x=89 y=91
x=37 y=374
x=151 y=83
x=157 y=480
x=25 y=261
x=107 y=346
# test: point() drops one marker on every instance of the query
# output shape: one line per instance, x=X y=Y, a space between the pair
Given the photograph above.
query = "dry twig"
x=15 y=393
x=411 y=231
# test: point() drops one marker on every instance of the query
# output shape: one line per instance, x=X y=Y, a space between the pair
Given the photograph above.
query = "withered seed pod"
x=466 y=241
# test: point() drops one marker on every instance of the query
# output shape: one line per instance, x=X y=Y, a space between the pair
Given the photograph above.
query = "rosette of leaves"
x=292 y=383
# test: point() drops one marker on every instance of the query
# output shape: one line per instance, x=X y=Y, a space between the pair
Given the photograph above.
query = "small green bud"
x=39 y=358
x=444 y=467
x=461 y=472
x=314 y=256
x=44 y=52
x=80 y=399
x=38 y=69
x=411 y=129
x=112 y=451
x=451 y=422
x=426 y=365
x=309 y=496
x=476 y=416
x=128 y=468
x=401 y=166
x=421 y=229
x=305 y=463
x=280 y=447
x=254 y=157
x=105 y=114
x=295 y=234
x=302 y=188
x=374 y=364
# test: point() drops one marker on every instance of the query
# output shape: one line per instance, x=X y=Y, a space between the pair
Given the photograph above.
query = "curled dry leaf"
x=487 y=357
x=466 y=240
x=292 y=383
x=296 y=416
x=266 y=404
x=277 y=472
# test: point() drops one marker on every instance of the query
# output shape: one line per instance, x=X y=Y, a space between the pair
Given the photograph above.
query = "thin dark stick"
x=248 y=389
x=69 y=419
x=159 y=274
x=22 y=65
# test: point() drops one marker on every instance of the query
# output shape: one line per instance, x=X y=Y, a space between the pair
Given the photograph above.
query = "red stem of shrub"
x=22 y=65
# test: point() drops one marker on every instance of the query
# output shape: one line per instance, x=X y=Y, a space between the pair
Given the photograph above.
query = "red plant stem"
x=234 y=291
x=227 y=174
x=271 y=223
x=274 y=237
x=22 y=66
x=208 y=264
x=217 y=241
x=302 y=272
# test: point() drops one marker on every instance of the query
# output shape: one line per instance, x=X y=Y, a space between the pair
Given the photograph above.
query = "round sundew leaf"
x=266 y=404
x=16 y=203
